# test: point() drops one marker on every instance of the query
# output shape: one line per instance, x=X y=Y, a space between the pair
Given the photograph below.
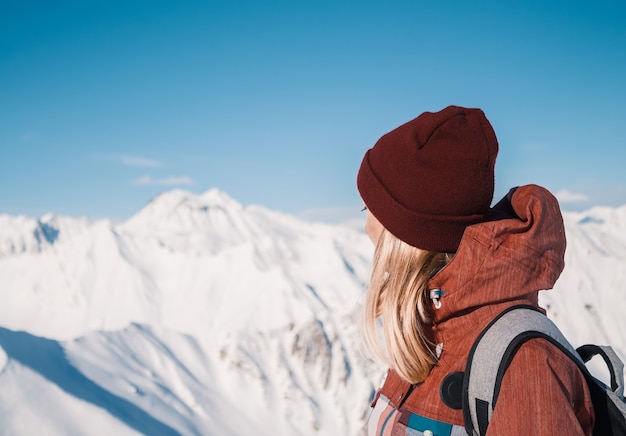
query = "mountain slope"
x=268 y=302
x=588 y=300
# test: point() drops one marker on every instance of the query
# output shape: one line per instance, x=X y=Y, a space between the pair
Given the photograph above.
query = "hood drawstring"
x=439 y=349
x=435 y=295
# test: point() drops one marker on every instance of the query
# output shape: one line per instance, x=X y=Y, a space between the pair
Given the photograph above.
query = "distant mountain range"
x=201 y=316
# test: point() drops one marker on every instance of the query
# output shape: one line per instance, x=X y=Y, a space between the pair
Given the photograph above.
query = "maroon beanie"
x=430 y=178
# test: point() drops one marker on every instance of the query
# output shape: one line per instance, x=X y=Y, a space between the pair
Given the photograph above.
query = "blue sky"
x=105 y=104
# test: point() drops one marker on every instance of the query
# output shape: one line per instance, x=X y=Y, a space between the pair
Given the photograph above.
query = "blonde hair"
x=398 y=295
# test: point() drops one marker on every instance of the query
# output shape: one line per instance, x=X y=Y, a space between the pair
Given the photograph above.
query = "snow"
x=200 y=315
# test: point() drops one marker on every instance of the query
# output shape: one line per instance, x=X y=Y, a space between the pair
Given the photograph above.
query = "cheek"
x=368 y=231
x=373 y=228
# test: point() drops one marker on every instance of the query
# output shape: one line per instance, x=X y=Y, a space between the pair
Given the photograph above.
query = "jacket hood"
x=509 y=258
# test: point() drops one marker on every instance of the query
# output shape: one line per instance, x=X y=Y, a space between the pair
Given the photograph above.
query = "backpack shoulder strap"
x=609 y=403
x=492 y=353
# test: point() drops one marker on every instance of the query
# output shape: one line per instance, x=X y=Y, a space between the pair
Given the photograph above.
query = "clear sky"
x=106 y=103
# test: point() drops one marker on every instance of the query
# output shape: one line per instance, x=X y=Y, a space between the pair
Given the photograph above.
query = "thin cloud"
x=165 y=181
x=135 y=161
x=565 y=196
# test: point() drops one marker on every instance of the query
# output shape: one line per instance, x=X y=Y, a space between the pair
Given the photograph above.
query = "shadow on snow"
x=47 y=357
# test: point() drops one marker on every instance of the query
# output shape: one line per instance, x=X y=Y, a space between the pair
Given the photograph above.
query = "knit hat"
x=430 y=178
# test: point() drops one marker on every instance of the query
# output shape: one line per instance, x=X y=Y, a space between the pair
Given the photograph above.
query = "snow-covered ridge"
x=200 y=315
x=185 y=261
x=21 y=234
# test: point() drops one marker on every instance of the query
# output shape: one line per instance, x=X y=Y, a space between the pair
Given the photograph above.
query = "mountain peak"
x=174 y=201
x=216 y=196
x=182 y=219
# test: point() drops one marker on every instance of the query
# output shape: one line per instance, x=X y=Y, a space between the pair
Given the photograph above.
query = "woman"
x=445 y=265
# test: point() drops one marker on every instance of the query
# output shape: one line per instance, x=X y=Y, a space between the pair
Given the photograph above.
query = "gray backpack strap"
x=491 y=355
x=612 y=360
x=609 y=403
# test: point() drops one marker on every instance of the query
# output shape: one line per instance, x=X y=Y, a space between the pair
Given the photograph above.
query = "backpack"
x=497 y=344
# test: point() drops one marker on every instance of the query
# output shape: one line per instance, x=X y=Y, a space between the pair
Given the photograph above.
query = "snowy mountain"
x=201 y=316
x=588 y=302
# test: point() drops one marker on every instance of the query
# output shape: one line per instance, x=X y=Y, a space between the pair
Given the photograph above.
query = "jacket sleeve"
x=542 y=393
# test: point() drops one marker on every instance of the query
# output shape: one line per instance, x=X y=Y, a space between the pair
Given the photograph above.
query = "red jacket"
x=502 y=262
